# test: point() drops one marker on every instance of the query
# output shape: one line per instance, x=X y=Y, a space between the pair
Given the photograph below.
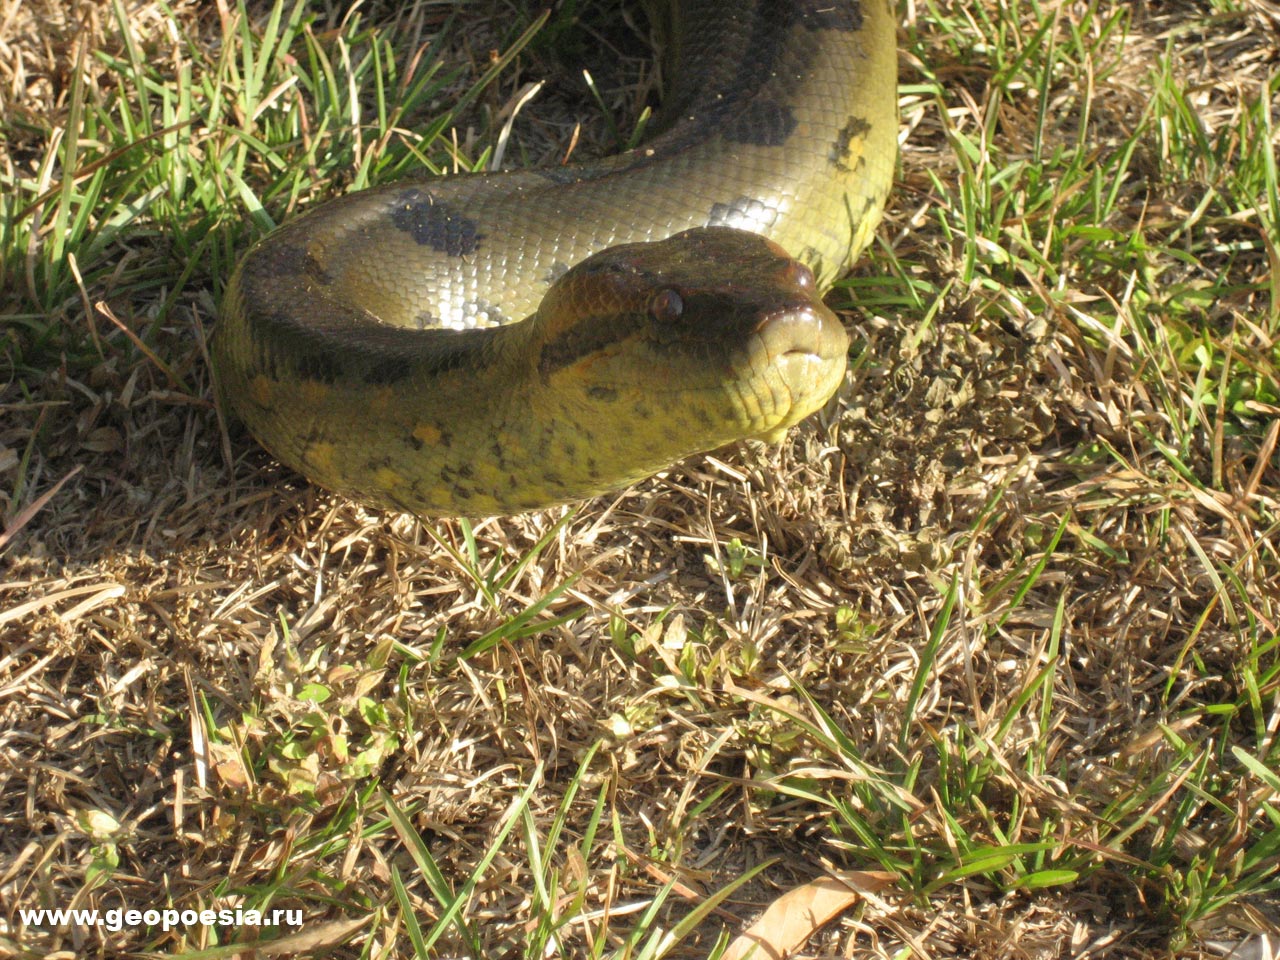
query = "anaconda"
x=496 y=343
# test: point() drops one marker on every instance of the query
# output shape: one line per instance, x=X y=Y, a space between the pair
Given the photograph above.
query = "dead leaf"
x=318 y=938
x=793 y=917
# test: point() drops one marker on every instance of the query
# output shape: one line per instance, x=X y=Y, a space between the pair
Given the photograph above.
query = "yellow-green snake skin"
x=462 y=345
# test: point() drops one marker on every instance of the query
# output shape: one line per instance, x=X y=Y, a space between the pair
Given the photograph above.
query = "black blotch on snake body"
x=855 y=128
x=286 y=352
x=289 y=258
x=319 y=368
x=765 y=123
x=435 y=225
x=606 y=394
x=387 y=370
x=296 y=260
x=453 y=353
x=492 y=313
x=748 y=213
x=451 y=475
x=316 y=270
x=557 y=270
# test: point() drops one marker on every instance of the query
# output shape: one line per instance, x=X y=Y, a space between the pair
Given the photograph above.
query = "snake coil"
x=496 y=343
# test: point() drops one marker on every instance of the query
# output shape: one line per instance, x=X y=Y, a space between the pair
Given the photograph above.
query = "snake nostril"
x=800 y=275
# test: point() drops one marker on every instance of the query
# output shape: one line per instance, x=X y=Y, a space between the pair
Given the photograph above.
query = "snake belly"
x=495 y=343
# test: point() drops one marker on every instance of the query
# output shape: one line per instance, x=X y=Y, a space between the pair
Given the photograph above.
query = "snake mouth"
x=797 y=358
x=810 y=331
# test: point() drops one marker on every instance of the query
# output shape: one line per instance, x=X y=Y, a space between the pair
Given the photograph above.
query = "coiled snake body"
x=463 y=346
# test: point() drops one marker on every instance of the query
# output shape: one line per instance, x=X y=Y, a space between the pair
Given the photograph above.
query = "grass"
x=1001 y=626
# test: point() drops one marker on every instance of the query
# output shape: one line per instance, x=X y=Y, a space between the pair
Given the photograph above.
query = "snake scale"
x=495 y=343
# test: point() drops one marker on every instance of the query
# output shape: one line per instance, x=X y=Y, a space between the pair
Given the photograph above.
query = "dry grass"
x=1003 y=624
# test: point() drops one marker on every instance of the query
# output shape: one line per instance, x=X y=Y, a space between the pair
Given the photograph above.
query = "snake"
x=495 y=343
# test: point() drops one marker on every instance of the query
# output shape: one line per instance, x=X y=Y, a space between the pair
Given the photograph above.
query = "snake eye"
x=666 y=306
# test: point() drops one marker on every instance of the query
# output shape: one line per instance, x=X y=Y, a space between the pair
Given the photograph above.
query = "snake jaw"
x=799 y=356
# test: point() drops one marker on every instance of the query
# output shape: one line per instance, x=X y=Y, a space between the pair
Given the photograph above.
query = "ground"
x=994 y=637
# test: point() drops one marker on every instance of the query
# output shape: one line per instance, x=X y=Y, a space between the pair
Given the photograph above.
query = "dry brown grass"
x=196 y=646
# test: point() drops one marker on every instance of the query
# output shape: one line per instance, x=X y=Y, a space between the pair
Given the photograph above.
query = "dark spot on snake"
x=317 y=272
x=693 y=109
x=426 y=321
x=288 y=259
x=743 y=212
x=555 y=272
x=764 y=123
x=643 y=410
x=472 y=309
x=291 y=353
x=770 y=28
x=843 y=15
x=841 y=155
x=703 y=418
x=414 y=442
x=451 y=475
x=446 y=351
x=435 y=225
x=388 y=370
x=593 y=468
x=607 y=394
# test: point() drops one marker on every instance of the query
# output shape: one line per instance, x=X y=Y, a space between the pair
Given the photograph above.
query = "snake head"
x=710 y=336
